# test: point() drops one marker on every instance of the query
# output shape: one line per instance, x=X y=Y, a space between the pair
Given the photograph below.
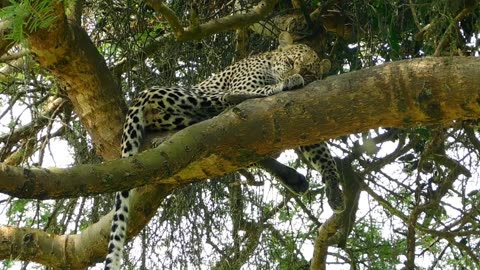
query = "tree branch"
x=36 y=124
x=335 y=230
x=169 y=15
x=409 y=93
x=235 y=21
x=81 y=250
x=447 y=36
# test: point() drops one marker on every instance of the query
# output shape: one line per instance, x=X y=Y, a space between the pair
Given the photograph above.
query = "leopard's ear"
x=285 y=40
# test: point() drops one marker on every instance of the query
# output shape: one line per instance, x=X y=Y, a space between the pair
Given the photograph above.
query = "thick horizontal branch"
x=399 y=94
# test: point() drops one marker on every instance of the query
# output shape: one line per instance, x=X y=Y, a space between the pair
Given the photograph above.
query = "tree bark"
x=67 y=52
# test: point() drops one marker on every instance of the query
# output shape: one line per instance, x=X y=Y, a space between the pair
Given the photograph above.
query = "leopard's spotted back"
x=170 y=108
x=174 y=108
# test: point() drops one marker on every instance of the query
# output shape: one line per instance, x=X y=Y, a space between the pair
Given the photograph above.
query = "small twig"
x=446 y=36
x=472 y=138
x=414 y=14
x=434 y=264
x=169 y=15
x=306 y=14
x=307 y=211
x=13 y=56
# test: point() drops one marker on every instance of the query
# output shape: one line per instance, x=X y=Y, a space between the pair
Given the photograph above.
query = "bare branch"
x=334 y=230
x=81 y=250
x=447 y=36
x=235 y=21
x=34 y=126
x=169 y=15
x=12 y=56
x=7 y=70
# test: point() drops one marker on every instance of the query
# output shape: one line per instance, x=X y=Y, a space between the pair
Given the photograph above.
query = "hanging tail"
x=132 y=134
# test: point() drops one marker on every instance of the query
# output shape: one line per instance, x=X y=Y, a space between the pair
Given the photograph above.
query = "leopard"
x=173 y=108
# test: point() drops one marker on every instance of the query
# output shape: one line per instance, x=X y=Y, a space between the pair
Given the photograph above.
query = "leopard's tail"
x=132 y=134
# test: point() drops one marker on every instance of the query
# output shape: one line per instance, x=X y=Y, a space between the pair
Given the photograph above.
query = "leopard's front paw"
x=293 y=82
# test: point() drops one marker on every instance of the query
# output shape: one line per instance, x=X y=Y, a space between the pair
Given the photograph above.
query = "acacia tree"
x=405 y=134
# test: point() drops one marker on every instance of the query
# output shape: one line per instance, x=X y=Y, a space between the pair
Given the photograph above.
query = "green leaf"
x=27 y=16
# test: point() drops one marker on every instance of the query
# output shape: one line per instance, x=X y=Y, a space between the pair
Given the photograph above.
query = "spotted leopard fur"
x=174 y=108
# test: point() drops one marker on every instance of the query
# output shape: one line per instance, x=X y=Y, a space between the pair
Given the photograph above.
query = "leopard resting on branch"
x=174 y=108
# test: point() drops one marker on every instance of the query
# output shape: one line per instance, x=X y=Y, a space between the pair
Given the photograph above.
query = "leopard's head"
x=305 y=60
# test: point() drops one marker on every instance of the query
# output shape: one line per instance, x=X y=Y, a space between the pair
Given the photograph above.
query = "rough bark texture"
x=69 y=54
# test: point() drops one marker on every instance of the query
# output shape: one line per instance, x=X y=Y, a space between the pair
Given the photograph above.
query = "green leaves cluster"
x=27 y=16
